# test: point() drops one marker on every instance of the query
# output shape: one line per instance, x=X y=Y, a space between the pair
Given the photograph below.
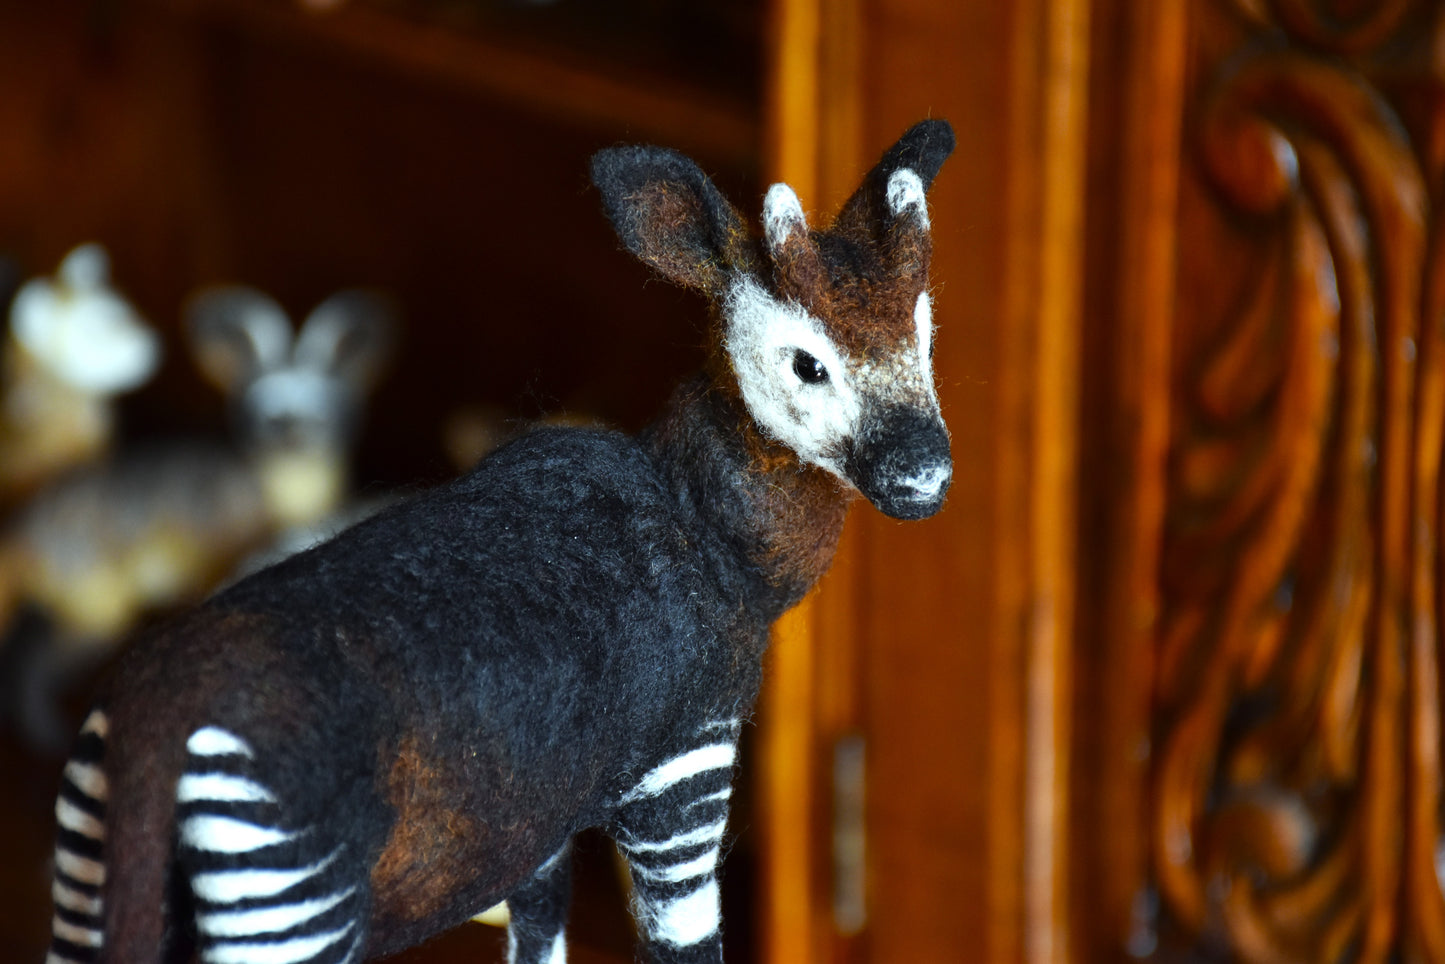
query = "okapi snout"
x=903 y=465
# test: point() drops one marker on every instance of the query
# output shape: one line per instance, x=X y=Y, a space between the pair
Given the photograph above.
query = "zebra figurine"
x=372 y=741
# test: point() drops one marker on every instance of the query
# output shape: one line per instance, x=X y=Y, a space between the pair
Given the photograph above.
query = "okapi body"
x=375 y=740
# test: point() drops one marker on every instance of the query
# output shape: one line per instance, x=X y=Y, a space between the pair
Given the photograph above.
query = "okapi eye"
x=808 y=369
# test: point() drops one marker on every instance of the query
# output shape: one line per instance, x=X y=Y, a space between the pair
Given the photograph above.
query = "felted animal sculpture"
x=158 y=526
x=74 y=344
x=374 y=740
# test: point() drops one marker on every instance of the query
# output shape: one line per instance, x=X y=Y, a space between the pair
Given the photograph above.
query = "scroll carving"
x=1297 y=755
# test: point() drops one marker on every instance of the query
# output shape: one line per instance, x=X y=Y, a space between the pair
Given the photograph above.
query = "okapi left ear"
x=797 y=263
x=669 y=214
x=892 y=196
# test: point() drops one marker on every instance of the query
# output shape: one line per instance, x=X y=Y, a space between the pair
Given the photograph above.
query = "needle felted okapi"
x=375 y=740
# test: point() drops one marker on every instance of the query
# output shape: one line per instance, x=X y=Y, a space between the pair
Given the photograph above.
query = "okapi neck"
x=781 y=518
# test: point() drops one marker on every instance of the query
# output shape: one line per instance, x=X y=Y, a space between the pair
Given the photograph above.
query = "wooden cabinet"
x=1162 y=681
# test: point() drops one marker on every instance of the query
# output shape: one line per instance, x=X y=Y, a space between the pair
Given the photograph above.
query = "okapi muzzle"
x=902 y=466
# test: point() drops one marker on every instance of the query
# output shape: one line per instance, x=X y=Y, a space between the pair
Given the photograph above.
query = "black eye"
x=809 y=370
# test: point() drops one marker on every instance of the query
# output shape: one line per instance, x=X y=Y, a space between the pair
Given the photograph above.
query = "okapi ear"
x=796 y=260
x=236 y=334
x=898 y=182
x=669 y=214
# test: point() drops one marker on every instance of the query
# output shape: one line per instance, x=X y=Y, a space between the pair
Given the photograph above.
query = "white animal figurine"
x=156 y=526
x=74 y=344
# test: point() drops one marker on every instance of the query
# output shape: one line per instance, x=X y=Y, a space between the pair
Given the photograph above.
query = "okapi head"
x=827 y=334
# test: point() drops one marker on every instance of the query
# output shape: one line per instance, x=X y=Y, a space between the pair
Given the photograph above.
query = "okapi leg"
x=536 y=930
x=265 y=892
x=671 y=829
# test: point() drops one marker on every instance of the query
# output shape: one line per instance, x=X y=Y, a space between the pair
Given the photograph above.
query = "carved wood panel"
x=1296 y=749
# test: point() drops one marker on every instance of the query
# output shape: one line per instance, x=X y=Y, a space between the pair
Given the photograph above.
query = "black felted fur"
x=443 y=696
x=701 y=239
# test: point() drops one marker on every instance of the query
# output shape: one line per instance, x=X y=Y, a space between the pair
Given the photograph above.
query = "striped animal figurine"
x=376 y=739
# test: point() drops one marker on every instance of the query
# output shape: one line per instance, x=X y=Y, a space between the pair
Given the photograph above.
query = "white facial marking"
x=923 y=322
x=227 y=835
x=928 y=482
x=706 y=834
x=687 y=919
x=905 y=190
x=764 y=336
x=214 y=741
x=281 y=952
x=229 y=886
x=782 y=215
x=267 y=920
x=220 y=786
x=718 y=756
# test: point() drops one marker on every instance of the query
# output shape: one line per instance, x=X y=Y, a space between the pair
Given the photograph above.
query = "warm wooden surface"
x=944 y=645
x=1226 y=451
x=1135 y=117
x=1162 y=681
x=1295 y=784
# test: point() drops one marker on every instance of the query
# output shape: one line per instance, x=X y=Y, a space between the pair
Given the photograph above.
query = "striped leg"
x=76 y=928
x=265 y=893
x=670 y=828
x=536 y=929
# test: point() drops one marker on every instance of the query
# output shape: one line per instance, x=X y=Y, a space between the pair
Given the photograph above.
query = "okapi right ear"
x=896 y=185
x=669 y=214
x=236 y=334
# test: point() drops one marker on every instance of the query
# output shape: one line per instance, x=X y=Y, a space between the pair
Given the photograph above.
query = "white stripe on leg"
x=228 y=835
x=229 y=886
x=267 y=920
x=279 y=952
x=716 y=756
x=684 y=920
x=214 y=741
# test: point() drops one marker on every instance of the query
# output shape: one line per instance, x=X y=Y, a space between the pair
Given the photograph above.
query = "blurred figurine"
x=74 y=345
x=152 y=528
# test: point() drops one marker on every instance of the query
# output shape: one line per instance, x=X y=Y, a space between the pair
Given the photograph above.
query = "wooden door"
x=935 y=656
x=1163 y=679
x=1294 y=786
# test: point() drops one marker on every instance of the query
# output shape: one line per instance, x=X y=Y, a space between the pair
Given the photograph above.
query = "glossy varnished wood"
x=945 y=645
